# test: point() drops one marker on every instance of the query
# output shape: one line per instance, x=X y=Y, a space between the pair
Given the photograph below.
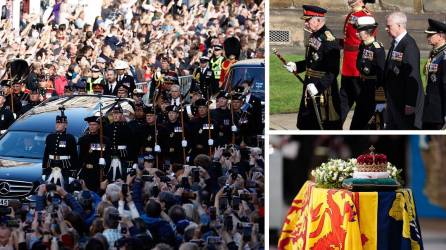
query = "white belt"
x=59 y=157
x=122 y=147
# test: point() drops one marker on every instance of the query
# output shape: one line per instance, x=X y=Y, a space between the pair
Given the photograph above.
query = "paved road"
x=288 y=121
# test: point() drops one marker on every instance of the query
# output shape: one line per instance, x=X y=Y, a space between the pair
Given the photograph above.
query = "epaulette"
x=329 y=36
x=377 y=44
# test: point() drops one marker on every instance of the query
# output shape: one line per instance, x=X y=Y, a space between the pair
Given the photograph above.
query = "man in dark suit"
x=320 y=104
x=402 y=81
x=112 y=85
x=434 y=114
x=122 y=76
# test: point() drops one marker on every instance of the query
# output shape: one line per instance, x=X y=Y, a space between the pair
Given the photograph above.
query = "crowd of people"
x=184 y=170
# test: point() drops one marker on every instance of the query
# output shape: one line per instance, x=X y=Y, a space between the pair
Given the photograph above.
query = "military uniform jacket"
x=6 y=118
x=59 y=145
x=17 y=104
x=322 y=67
x=402 y=82
x=435 y=101
x=223 y=119
x=120 y=137
x=205 y=80
x=199 y=133
x=352 y=42
x=90 y=149
x=147 y=139
x=171 y=137
x=126 y=79
x=255 y=119
x=370 y=63
x=137 y=127
x=23 y=97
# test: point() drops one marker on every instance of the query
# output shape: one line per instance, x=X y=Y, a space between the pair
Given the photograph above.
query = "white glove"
x=210 y=142
x=290 y=66
x=311 y=88
x=380 y=107
x=184 y=143
x=135 y=165
x=158 y=74
x=101 y=161
x=157 y=148
x=234 y=128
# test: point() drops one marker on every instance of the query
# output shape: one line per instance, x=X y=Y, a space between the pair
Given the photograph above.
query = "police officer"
x=403 y=86
x=120 y=137
x=434 y=114
x=350 y=86
x=93 y=162
x=204 y=78
x=216 y=61
x=320 y=99
x=222 y=117
x=60 y=151
x=370 y=63
x=173 y=143
x=201 y=130
x=95 y=79
x=34 y=100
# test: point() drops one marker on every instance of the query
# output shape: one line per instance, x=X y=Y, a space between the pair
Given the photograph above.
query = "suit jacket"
x=402 y=82
x=113 y=92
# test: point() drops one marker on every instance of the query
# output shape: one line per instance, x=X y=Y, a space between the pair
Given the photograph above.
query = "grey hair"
x=398 y=17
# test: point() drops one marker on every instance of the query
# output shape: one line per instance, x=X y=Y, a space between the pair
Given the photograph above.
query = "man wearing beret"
x=90 y=157
x=370 y=63
x=60 y=151
x=402 y=80
x=173 y=136
x=434 y=114
x=319 y=107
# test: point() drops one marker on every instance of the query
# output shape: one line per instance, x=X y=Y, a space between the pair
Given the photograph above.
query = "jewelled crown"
x=372 y=162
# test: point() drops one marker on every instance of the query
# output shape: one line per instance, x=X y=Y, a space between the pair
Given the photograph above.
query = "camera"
x=132 y=172
x=147 y=177
x=165 y=178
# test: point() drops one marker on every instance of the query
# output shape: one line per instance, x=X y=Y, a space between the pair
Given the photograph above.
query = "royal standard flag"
x=340 y=219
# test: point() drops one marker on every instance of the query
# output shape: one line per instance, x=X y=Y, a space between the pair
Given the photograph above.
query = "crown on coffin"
x=371 y=162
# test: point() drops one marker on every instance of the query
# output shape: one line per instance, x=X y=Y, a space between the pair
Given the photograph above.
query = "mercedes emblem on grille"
x=4 y=188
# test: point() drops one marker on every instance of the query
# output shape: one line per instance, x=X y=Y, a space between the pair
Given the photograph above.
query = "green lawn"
x=285 y=88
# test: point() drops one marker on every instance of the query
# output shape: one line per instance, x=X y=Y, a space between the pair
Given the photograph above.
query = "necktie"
x=392 y=47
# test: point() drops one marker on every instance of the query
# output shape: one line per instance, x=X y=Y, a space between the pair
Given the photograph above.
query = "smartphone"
x=223 y=203
x=185 y=182
x=196 y=175
x=214 y=240
x=235 y=202
x=247 y=231
x=213 y=213
x=125 y=189
x=228 y=223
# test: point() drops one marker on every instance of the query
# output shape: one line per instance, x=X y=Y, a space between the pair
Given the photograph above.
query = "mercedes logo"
x=4 y=188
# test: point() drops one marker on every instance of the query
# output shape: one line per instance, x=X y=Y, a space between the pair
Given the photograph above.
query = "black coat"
x=205 y=81
x=6 y=118
x=128 y=80
x=171 y=137
x=403 y=85
x=370 y=63
x=61 y=144
x=435 y=101
x=322 y=66
x=112 y=92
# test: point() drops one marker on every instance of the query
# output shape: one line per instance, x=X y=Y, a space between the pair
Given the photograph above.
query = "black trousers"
x=349 y=94
x=365 y=106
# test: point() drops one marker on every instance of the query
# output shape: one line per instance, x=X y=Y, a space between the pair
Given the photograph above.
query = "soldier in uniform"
x=350 y=86
x=60 y=152
x=240 y=118
x=149 y=136
x=320 y=99
x=216 y=61
x=190 y=109
x=122 y=77
x=201 y=130
x=93 y=161
x=34 y=100
x=6 y=116
x=137 y=127
x=95 y=79
x=120 y=137
x=402 y=80
x=204 y=78
x=173 y=143
x=434 y=114
x=222 y=118
x=225 y=69
x=123 y=90
x=20 y=93
x=370 y=63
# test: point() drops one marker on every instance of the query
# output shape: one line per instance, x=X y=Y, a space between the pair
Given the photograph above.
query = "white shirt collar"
x=398 y=38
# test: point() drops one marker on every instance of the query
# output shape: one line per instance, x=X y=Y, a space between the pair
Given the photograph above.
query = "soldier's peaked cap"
x=435 y=27
x=365 y=23
x=312 y=11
